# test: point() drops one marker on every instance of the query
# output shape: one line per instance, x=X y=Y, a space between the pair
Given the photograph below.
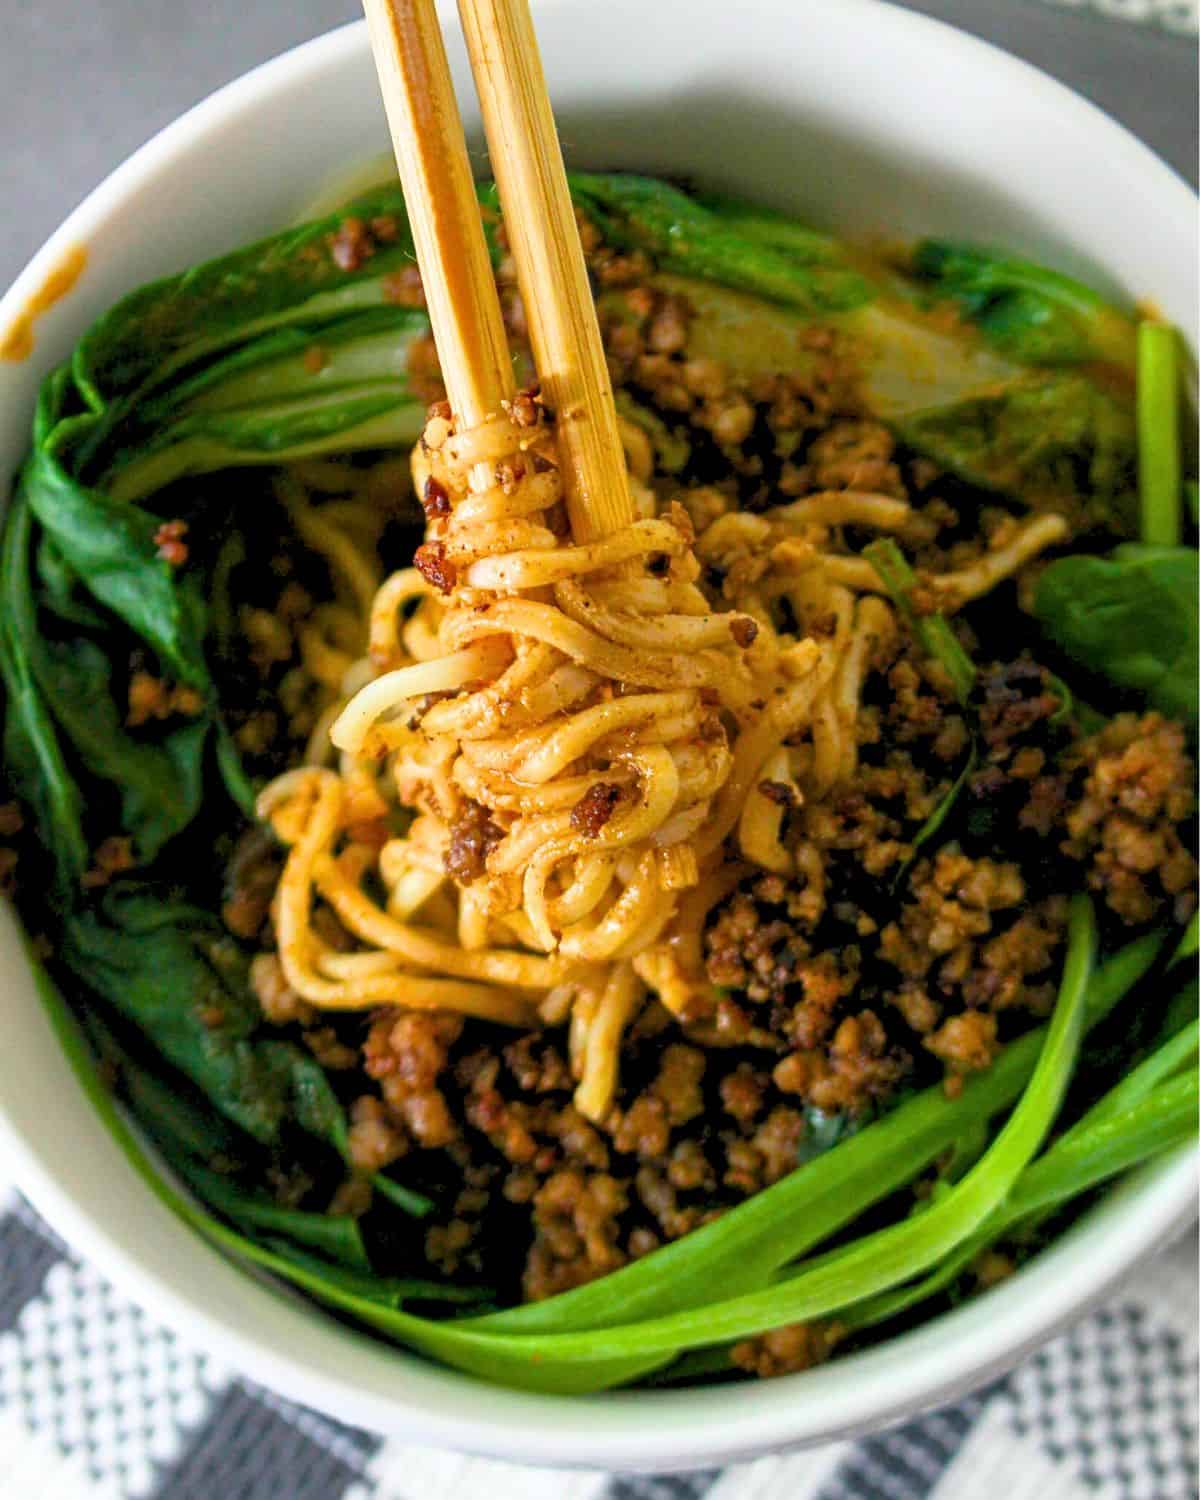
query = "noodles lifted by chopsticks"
x=578 y=733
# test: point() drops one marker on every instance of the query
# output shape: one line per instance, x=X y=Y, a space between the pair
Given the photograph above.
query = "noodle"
x=958 y=588
x=602 y=1040
x=578 y=731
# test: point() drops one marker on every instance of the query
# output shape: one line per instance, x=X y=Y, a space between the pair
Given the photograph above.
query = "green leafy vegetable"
x=932 y=630
x=1169 y=1057
x=1131 y=618
x=1104 y=1148
x=347 y=390
x=168 y=969
x=161 y=783
x=1037 y=315
x=339 y=1286
x=31 y=747
x=1189 y=943
x=287 y=279
x=1019 y=410
x=415 y=1204
x=177 y=1117
x=642 y=213
x=110 y=547
x=1045 y=437
x=270 y=353
x=191 y=1137
x=1127 y=1128
x=60 y=692
x=1160 y=474
x=805 y=246
x=334 y=1237
x=1183 y=1008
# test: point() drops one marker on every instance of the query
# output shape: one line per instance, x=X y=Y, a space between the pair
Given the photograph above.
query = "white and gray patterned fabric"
x=1173 y=15
x=98 y=1402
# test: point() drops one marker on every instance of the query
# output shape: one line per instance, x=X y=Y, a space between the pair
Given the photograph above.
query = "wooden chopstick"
x=435 y=173
x=544 y=239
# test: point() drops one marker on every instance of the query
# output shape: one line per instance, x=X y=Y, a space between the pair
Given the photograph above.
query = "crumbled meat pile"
x=877 y=963
x=696 y=1136
x=833 y=997
x=1137 y=793
x=279 y=639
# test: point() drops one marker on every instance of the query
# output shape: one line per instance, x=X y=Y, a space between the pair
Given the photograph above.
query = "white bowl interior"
x=860 y=117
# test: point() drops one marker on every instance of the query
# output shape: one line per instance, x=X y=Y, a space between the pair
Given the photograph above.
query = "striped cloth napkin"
x=99 y=1402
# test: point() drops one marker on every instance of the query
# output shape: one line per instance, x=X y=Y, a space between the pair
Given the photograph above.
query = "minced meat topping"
x=883 y=962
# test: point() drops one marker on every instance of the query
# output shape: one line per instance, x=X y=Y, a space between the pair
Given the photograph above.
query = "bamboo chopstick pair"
x=464 y=311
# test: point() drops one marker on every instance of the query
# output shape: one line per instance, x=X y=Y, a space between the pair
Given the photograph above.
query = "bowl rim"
x=689 y=1429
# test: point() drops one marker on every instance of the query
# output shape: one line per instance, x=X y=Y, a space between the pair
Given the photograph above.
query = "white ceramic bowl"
x=856 y=115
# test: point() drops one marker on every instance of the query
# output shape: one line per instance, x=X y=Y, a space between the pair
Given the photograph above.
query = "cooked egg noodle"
x=594 y=723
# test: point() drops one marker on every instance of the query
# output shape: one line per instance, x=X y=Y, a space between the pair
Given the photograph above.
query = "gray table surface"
x=82 y=85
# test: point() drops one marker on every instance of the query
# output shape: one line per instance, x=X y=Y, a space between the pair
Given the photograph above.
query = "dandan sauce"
x=16 y=342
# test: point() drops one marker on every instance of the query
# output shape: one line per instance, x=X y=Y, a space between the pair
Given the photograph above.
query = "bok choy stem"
x=1105 y=1144
x=1160 y=476
x=933 y=631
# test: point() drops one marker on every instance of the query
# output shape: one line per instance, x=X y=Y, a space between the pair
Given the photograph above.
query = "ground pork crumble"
x=828 y=1008
x=885 y=965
